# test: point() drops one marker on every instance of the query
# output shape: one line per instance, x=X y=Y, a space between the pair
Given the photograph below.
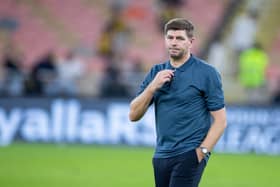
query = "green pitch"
x=41 y=165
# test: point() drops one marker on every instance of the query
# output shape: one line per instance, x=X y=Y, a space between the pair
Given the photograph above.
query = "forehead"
x=176 y=33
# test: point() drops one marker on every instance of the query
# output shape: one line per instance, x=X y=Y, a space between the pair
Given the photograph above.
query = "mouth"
x=174 y=49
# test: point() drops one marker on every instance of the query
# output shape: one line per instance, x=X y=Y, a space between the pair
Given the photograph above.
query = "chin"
x=175 y=57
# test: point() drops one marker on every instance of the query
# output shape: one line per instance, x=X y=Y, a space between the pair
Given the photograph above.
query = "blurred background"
x=83 y=47
x=68 y=69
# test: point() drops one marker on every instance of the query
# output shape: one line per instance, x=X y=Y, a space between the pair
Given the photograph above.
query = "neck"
x=178 y=62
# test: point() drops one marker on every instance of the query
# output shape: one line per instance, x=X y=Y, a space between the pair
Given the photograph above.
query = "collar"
x=184 y=66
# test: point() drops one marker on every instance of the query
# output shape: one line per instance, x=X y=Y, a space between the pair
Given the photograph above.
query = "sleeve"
x=149 y=77
x=214 y=94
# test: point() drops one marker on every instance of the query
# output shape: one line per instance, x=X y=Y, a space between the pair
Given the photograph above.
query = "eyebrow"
x=177 y=37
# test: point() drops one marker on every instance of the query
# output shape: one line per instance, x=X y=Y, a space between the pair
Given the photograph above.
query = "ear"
x=192 y=39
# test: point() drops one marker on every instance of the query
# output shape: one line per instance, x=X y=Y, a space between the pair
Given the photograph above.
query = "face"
x=178 y=43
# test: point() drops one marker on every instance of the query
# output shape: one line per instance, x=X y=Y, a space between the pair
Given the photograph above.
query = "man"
x=252 y=73
x=186 y=93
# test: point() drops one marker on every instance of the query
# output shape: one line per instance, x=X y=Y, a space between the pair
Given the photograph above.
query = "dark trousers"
x=180 y=171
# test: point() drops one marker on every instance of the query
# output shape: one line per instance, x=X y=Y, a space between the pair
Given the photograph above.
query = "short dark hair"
x=180 y=24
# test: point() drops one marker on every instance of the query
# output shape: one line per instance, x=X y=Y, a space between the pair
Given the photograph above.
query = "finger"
x=167 y=79
x=171 y=72
x=171 y=75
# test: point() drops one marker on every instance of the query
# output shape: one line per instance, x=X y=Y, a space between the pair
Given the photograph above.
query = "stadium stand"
x=28 y=35
x=78 y=24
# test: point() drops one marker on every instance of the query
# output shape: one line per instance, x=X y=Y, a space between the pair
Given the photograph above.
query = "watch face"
x=204 y=150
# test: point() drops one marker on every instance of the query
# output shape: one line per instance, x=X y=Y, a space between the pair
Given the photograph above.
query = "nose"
x=174 y=42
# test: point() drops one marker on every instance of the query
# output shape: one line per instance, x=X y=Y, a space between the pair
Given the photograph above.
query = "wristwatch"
x=204 y=150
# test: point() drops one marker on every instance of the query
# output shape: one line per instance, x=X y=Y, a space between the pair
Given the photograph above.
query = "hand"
x=161 y=78
x=199 y=154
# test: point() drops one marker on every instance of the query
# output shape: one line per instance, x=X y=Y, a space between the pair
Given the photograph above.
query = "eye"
x=169 y=37
x=180 y=38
